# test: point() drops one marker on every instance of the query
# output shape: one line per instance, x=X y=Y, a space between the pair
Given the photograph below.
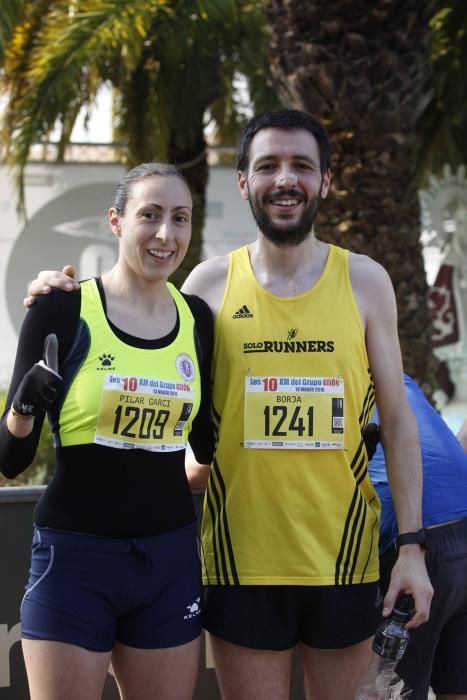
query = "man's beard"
x=286 y=234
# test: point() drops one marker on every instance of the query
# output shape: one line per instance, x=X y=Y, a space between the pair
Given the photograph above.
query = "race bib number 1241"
x=294 y=413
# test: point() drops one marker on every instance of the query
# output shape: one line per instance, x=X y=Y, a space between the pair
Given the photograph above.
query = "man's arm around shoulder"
x=207 y=280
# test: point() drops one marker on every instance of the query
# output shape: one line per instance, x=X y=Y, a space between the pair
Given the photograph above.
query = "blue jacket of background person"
x=444 y=470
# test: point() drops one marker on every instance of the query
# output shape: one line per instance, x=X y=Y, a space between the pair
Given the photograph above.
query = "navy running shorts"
x=92 y=591
x=436 y=653
x=279 y=617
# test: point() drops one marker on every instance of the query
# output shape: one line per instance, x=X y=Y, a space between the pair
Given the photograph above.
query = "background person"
x=289 y=533
x=115 y=572
x=436 y=652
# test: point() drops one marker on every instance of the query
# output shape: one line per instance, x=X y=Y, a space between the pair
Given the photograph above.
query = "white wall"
x=66 y=207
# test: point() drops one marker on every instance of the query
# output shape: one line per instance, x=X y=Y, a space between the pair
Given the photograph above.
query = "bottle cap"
x=403 y=608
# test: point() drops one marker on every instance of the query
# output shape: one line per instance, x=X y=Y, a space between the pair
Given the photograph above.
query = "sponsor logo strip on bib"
x=303 y=413
x=144 y=412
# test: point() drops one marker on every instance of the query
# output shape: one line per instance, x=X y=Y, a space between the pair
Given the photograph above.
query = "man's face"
x=284 y=184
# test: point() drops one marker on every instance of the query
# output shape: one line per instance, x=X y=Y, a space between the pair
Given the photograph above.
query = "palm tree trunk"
x=362 y=69
x=191 y=158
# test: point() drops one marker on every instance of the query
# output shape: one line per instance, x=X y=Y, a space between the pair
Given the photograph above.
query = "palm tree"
x=443 y=123
x=11 y=12
x=168 y=61
x=362 y=68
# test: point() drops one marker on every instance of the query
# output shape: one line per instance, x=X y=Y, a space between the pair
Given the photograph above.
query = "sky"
x=100 y=126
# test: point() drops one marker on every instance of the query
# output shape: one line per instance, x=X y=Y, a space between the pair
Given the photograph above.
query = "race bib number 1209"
x=294 y=413
x=145 y=412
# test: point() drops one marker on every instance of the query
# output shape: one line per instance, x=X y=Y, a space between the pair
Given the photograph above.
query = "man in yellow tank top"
x=305 y=340
x=289 y=535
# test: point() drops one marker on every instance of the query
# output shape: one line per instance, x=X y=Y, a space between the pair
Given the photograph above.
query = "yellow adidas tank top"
x=127 y=397
x=289 y=500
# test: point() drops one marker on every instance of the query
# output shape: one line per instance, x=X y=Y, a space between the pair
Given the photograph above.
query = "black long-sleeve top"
x=98 y=489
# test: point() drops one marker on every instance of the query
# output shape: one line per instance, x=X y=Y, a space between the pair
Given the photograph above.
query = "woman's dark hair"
x=141 y=172
x=289 y=120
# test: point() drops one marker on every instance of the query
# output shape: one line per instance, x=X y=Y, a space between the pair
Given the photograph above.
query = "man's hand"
x=197 y=474
x=371 y=438
x=47 y=279
x=409 y=575
x=38 y=388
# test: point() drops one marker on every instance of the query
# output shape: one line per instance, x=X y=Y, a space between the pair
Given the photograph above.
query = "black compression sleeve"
x=202 y=437
x=56 y=313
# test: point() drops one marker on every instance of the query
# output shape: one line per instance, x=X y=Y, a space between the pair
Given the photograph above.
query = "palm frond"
x=11 y=14
x=168 y=62
x=68 y=57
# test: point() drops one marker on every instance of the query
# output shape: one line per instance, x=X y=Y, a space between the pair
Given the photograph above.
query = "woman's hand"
x=39 y=386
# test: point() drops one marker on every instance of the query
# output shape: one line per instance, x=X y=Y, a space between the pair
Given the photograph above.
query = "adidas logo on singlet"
x=243 y=312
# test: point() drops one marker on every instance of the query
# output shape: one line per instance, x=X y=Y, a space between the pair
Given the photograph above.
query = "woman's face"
x=155 y=229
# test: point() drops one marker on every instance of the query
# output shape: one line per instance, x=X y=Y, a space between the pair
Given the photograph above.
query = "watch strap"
x=417 y=537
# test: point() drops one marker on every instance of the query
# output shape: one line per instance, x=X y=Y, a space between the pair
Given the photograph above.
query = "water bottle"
x=389 y=645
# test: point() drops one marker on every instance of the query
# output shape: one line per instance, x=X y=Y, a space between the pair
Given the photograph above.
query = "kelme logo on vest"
x=106 y=360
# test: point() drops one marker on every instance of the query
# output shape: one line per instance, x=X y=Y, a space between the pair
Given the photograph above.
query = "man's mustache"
x=294 y=194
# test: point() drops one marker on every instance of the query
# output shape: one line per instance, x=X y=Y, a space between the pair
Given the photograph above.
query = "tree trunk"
x=177 y=138
x=191 y=158
x=362 y=69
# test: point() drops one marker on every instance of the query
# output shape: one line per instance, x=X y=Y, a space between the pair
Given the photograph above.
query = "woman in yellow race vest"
x=121 y=366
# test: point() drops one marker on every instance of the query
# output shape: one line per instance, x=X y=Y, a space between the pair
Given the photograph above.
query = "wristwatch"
x=418 y=537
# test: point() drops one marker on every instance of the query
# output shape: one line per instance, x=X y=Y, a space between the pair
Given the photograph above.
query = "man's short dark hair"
x=289 y=120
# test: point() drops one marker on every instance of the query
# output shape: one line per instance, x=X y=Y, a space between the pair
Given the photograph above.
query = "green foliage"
x=443 y=123
x=43 y=465
x=11 y=12
x=167 y=61
x=170 y=64
x=245 y=63
x=173 y=64
x=58 y=57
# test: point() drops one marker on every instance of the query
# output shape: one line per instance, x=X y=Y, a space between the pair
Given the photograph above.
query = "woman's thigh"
x=59 y=670
x=145 y=674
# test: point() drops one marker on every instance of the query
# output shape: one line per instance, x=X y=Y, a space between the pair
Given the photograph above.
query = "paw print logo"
x=106 y=359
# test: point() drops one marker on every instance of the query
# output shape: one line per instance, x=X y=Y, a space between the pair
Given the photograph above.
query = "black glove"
x=371 y=438
x=38 y=388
